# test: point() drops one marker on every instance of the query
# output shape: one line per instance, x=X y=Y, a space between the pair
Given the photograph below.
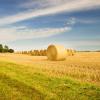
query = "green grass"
x=19 y=82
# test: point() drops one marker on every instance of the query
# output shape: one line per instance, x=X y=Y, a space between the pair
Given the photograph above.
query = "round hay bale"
x=41 y=52
x=73 y=52
x=68 y=52
x=56 y=52
x=45 y=52
x=32 y=52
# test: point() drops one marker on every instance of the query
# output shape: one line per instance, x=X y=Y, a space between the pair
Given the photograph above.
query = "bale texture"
x=56 y=52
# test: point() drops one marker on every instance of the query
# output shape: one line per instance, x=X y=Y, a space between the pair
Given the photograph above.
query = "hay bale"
x=31 y=52
x=70 y=52
x=44 y=52
x=73 y=52
x=41 y=52
x=56 y=52
x=36 y=53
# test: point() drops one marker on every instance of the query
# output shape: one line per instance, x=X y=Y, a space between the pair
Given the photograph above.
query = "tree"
x=6 y=48
x=1 y=48
x=11 y=50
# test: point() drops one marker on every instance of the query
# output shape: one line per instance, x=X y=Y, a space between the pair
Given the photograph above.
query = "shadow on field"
x=27 y=91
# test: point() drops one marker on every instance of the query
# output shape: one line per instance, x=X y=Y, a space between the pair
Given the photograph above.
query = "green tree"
x=6 y=48
x=11 y=51
x=1 y=48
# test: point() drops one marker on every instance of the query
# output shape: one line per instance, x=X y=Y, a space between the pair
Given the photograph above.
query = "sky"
x=35 y=24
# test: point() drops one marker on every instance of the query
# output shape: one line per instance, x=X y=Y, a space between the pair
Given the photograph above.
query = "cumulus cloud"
x=16 y=33
x=68 y=6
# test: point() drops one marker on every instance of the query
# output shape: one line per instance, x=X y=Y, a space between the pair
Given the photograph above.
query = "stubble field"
x=24 y=77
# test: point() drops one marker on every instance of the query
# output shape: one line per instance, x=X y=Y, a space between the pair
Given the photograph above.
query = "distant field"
x=24 y=77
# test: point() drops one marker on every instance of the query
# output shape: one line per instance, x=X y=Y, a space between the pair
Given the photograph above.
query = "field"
x=24 y=77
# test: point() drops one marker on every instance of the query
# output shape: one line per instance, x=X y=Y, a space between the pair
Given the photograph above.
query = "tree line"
x=5 y=49
x=34 y=52
x=43 y=52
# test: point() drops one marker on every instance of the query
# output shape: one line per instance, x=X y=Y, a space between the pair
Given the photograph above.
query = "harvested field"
x=36 y=78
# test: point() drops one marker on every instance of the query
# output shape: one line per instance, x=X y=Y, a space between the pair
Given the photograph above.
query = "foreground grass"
x=23 y=82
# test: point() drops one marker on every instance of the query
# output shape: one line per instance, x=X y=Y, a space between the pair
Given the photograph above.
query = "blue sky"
x=34 y=24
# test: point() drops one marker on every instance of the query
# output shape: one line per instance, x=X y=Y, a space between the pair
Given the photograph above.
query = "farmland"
x=24 y=77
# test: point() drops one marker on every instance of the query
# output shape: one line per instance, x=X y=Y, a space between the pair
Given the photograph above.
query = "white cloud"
x=69 y=6
x=16 y=33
